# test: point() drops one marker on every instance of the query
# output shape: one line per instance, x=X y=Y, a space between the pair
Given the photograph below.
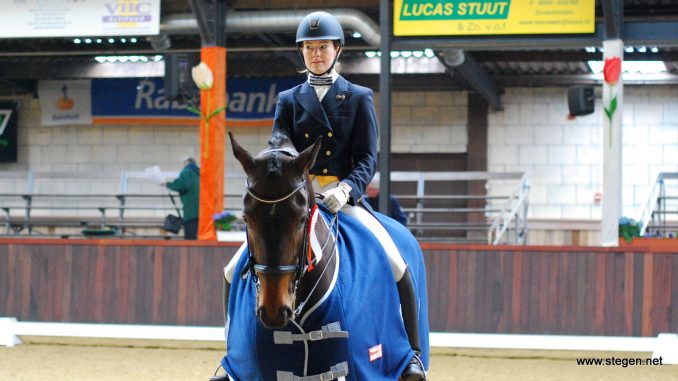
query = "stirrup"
x=414 y=371
x=221 y=377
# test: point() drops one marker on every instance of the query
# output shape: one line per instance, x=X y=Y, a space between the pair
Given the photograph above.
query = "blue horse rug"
x=355 y=333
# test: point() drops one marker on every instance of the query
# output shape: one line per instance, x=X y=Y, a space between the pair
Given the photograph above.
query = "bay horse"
x=315 y=299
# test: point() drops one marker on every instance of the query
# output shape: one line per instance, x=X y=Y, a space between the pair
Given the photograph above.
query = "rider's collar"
x=323 y=80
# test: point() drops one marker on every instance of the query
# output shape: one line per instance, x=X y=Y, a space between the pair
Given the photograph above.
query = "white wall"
x=564 y=157
x=532 y=134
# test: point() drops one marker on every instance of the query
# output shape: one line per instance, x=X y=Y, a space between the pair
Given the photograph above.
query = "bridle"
x=303 y=257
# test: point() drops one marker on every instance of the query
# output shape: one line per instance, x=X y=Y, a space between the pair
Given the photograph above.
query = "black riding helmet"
x=319 y=26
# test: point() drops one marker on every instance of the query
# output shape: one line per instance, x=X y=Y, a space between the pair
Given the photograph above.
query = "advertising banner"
x=72 y=18
x=492 y=17
x=65 y=102
x=249 y=102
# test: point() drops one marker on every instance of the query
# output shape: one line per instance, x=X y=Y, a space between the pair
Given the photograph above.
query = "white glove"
x=336 y=198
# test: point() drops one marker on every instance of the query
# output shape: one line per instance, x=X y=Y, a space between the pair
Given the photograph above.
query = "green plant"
x=628 y=229
x=223 y=221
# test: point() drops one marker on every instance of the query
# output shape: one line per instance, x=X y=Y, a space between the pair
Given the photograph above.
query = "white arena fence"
x=665 y=345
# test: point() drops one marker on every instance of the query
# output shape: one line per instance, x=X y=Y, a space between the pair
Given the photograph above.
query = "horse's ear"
x=306 y=158
x=244 y=157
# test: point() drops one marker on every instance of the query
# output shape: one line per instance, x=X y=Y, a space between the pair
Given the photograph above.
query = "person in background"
x=394 y=212
x=188 y=187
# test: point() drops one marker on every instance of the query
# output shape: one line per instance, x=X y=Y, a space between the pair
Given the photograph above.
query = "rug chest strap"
x=330 y=331
x=335 y=372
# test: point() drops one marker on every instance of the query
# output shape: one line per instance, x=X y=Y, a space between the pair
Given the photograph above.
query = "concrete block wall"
x=433 y=122
x=564 y=157
x=531 y=134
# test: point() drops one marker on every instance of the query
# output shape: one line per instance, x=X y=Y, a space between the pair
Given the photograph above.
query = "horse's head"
x=276 y=210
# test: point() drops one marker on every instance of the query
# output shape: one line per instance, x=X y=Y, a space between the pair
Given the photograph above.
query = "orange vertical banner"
x=212 y=142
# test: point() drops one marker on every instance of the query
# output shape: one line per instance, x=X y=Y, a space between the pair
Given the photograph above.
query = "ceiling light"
x=98 y=41
x=394 y=53
x=133 y=40
x=88 y=41
x=418 y=53
x=405 y=53
x=111 y=40
x=654 y=49
x=77 y=40
x=590 y=49
x=429 y=53
x=642 y=49
x=356 y=35
x=370 y=54
x=117 y=59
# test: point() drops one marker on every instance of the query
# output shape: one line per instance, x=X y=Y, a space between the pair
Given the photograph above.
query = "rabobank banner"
x=250 y=102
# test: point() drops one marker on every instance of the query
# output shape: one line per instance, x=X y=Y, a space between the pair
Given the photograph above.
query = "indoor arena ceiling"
x=649 y=30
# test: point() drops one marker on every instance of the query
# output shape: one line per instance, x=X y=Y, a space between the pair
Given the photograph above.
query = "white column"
x=612 y=142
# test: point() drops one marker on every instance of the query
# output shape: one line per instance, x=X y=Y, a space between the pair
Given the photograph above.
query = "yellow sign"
x=490 y=17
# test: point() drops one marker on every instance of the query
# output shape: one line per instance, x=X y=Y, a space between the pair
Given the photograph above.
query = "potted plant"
x=223 y=223
x=628 y=229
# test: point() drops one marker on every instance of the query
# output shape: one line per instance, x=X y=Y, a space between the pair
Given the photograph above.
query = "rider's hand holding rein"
x=336 y=198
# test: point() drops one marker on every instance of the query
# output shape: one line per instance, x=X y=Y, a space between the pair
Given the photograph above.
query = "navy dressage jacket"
x=347 y=123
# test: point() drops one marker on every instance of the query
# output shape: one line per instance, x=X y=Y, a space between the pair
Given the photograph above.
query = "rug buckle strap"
x=335 y=372
x=330 y=331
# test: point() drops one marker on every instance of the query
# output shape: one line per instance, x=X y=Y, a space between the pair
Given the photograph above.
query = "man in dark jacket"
x=188 y=187
x=395 y=211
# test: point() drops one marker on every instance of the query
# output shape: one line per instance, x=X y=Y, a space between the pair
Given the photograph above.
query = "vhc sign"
x=128 y=12
x=135 y=100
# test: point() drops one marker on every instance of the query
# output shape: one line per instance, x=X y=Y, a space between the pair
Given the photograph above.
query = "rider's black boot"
x=408 y=302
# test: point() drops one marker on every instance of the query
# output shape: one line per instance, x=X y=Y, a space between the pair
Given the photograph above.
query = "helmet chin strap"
x=329 y=70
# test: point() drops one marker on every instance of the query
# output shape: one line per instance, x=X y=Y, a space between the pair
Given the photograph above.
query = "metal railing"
x=661 y=204
x=439 y=205
x=64 y=203
x=494 y=216
x=514 y=212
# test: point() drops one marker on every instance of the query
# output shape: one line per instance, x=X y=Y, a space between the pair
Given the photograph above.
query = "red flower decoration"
x=612 y=70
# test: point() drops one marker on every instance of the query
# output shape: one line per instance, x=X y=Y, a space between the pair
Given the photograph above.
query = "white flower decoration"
x=202 y=76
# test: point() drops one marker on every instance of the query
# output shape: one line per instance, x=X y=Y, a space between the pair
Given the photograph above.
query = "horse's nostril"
x=286 y=314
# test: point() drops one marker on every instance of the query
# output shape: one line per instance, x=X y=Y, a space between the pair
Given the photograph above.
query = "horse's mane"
x=278 y=140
